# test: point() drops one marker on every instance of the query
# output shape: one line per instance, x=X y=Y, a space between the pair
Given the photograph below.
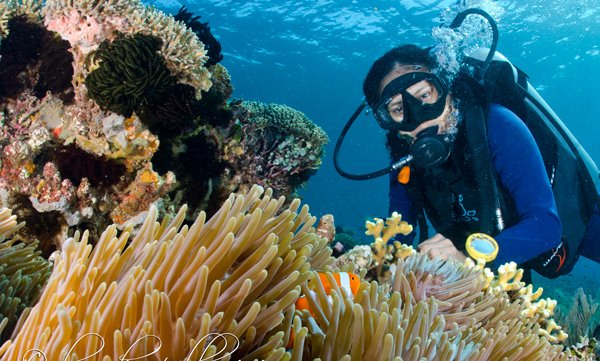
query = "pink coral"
x=83 y=32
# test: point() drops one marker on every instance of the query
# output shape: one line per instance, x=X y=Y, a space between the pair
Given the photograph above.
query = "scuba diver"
x=481 y=153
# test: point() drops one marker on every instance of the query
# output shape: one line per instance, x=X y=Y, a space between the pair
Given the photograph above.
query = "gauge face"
x=480 y=245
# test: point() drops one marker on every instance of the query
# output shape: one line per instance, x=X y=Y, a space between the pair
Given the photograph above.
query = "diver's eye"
x=426 y=95
x=397 y=109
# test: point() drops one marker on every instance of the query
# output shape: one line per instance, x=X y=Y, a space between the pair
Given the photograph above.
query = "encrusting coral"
x=238 y=272
x=22 y=274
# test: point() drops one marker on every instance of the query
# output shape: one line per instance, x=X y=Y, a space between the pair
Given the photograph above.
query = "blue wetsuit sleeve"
x=399 y=201
x=522 y=174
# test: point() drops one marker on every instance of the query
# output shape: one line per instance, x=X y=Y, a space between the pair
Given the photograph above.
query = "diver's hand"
x=439 y=246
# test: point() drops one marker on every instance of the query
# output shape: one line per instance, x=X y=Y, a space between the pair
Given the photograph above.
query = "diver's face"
x=423 y=91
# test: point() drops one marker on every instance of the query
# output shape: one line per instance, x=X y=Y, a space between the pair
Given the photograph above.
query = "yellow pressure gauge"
x=480 y=245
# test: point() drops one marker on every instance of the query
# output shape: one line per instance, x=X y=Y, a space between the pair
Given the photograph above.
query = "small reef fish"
x=347 y=281
x=350 y=282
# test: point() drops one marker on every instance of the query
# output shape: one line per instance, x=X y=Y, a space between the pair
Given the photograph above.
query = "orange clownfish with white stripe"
x=345 y=280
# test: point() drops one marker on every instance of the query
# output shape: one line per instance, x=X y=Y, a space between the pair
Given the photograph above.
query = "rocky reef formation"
x=108 y=107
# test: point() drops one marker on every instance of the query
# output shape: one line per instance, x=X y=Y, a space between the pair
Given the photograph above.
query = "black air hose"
x=475 y=127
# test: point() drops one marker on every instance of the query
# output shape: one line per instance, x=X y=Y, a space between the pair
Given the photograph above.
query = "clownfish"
x=347 y=281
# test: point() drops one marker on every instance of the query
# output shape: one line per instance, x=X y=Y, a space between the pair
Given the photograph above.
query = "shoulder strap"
x=475 y=111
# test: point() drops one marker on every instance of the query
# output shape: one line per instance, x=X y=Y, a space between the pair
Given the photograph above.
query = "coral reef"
x=130 y=74
x=22 y=274
x=86 y=24
x=238 y=272
x=277 y=140
x=202 y=30
x=107 y=107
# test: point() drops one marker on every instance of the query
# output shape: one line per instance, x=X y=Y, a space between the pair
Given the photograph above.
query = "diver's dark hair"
x=405 y=54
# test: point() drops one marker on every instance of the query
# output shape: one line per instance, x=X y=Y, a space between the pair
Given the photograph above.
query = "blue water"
x=313 y=56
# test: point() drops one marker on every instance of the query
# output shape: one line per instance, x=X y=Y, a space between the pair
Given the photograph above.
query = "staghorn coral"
x=22 y=274
x=278 y=140
x=238 y=272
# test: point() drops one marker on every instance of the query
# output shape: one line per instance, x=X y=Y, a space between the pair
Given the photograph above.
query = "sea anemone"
x=238 y=272
x=23 y=273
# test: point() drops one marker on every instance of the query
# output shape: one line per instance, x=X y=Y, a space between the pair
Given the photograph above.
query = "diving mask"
x=409 y=100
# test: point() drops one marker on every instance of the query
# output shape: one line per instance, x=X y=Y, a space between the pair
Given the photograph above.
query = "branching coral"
x=202 y=31
x=32 y=9
x=279 y=140
x=386 y=254
x=22 y=274
x=238 y=272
